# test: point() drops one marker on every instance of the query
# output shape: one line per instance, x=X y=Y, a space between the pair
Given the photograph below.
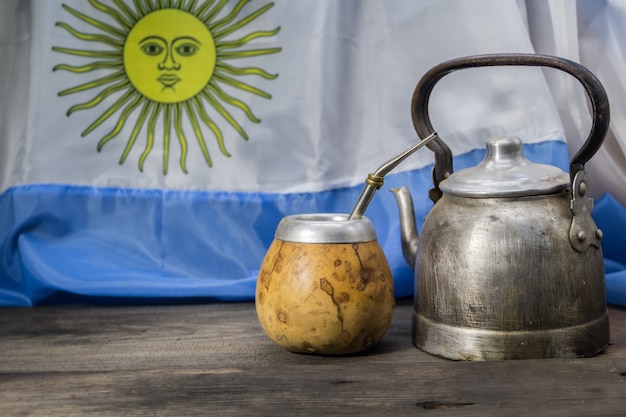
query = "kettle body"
x=509 y=263
x=497 y=278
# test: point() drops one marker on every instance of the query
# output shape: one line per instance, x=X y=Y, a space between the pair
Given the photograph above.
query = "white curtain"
x=592 y=33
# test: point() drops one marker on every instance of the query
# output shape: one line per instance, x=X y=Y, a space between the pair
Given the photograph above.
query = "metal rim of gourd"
x=325 y=228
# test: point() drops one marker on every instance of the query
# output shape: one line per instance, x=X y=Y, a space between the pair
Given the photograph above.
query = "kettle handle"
x=443 y=155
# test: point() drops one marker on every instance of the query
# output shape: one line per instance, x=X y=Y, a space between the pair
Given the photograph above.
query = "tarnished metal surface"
x=583 y=231
x=498 y=279
x=505 y=173
x=325 y=228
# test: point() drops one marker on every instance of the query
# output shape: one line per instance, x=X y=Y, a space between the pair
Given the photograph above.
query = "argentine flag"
x=149 y=148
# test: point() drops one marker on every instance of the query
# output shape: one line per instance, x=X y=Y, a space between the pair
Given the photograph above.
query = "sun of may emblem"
x=165 y=60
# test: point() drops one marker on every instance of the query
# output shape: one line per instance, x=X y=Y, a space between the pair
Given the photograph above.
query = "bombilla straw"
x=374 y=181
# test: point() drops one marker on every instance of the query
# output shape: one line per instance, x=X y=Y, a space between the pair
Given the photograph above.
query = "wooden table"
x=214 y=359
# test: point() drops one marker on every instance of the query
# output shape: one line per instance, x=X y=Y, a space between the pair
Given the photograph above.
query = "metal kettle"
x=509 y=263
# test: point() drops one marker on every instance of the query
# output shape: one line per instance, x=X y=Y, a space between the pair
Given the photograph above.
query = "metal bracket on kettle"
x=583 y=231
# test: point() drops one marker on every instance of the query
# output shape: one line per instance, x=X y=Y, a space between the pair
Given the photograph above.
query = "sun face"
x=171 y=65
x=166 y=59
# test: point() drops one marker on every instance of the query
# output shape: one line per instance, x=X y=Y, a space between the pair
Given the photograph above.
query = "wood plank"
x=213 y=359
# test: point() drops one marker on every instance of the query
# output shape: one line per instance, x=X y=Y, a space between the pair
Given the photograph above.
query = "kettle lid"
x=505 y=172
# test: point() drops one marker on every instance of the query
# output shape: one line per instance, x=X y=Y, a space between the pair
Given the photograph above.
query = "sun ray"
x=91 y=37
x=88 y=54
x=182 y=140
x=149 y=6
x=230 y=17
x=167 y=126
x=93 y=84
x=138 y=125
x=222 y=111
x=211 y=124
x=111 y=12
x=222 y=66
x=96 y=23
x=150 y=139
x=89 y=67
x=139 y=7
x=99 y=98
x=130 y=14
x=230 y=29
x=240 y=42
x=233 y=102
x=112 y=109
x=190 y=6
x=247 y=53
x=145 y=7
x=212 y=13
x=204 y=7
x=127 y=110
x=240 y=85
x=196 y=128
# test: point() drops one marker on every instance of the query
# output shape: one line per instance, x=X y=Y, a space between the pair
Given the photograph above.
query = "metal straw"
x=374 y=181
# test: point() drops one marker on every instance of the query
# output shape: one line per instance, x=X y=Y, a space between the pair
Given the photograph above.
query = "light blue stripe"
x=62 y=243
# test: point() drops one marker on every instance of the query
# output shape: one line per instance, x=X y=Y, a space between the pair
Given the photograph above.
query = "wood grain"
x=214 y=359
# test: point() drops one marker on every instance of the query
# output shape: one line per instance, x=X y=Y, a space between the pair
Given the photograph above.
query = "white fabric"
x=339 y=108
x=594 y=34
x=340 y=105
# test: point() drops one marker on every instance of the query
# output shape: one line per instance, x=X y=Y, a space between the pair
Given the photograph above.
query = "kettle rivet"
x=581 y=236
x=599 y=233
x=582 y=188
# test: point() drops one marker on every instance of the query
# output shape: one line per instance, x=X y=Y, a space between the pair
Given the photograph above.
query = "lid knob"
x=505 y=151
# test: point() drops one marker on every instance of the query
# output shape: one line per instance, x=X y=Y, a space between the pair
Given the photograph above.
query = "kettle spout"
x=408 y=228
